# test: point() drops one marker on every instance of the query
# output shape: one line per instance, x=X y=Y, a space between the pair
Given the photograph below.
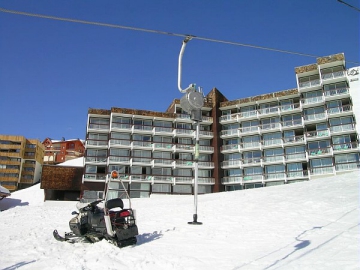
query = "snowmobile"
x=113 y=222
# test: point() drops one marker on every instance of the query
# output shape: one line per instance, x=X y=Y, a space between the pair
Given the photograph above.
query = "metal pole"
x=196 y=175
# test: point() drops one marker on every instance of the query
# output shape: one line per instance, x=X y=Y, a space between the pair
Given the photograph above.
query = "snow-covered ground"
x=310 y=225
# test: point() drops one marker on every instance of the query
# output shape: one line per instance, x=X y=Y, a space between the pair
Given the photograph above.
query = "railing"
x=336 y=92
x=246 y=145
x=163 y=179
x=290 y=107
x=229 y=163
x=163 y=161
x=94 y=176
x=291 y=123
x=294 y=139
x=295 y=156
x=270 y=126
x=141 y=177
x=184 y=147
x=119 y=159
x=206 y=164
x=230 y=147
x=347 y=166
x=270 y=110
x=333 y=75
x=320 y=151
x=120 y=126
x=96 y=143
x=251 y=160
x=253 y=177
x=114 y=142
x=206 y=119
x=272 y=142
x=163 y=145
x=312 y=100
x=206 y=180
x=249 y=129
x=142 y=128
x=184 y=131
x=229 y=132
x=141 y=144
x=322 y=170
x=309 y=83
x=188 y=163
x=205 y=148
x=141 y=160
x=276 y=175
x=206 y=133
x=345 y=146
x=96 y=159
x=183 y=179
x=340 y=109
x=341 y=128
x=183 y=116
x=99 y=126
x=317 y=116
x=317 y=133
x=163 y=129
x=273 y=158
x=232 y=180
x=297 y=174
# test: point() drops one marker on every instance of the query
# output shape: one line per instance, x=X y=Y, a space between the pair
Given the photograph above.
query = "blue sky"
x=51 y=72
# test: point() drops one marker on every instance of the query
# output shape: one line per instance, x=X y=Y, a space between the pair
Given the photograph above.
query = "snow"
x=76 y=162
x=308 y=225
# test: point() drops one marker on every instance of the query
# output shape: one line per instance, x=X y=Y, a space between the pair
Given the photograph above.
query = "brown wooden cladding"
x=61 y=178
x=307 y=68
x=143 y=112
x=99 y=111
x=330 y=58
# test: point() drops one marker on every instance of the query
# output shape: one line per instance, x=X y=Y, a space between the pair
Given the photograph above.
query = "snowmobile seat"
x=113 y=203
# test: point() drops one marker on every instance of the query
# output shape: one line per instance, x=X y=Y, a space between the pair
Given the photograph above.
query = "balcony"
x=184 y=163
x=141 y=145
x=142 y=129
x=163 y=163
x=292 y=123
x=322 y=170
x=251 y=162
x=163 y=146
x=184 y=132
x=96 y=160
x=231 y=164
x=297 y=175
x=98 y=128
x=141 y=161
x=206 y=134
x=351 y=166
x=206 y=181
x=184 y=117
x=296 y=157
x=163 y=179
x=315 y=117
x=269 y=111
x=291 y=108
x=229 y=148
x=314 y=153
x=119 y=160
x=300 y=139
x=230 y=133
x=206 y=165
x=343 y=110
x=94 y=177
x=184 y=148
x=120 y=143
x=317 y=134
x=183 y=180
x=272 y=142
x=274 y=159
x=250 y=130
x=232 y=180
x=342 y=128
x=206 y=149
x=253 y=178
x=251 y=145
x=96 y=144
x=336 y=93
x=120 y=127
x=308 y=102
x=333 y=76
x=346 y=147
x=163 y=131
x=309 y=85
x=275 y=176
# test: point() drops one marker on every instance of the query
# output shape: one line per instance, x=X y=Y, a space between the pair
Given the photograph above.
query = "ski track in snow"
x=309 y=225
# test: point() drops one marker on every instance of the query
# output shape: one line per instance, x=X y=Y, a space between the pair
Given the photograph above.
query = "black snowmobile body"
x=94 y=223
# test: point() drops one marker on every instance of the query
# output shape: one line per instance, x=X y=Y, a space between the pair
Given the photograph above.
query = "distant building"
x=21 y=161
x=271 y=139
x=58 y=151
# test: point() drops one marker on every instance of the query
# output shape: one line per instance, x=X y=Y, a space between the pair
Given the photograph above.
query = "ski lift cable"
x=159 y=32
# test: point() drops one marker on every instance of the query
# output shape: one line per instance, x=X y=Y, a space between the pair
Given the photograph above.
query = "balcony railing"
x=314 y=117
x=295 y=156
x=333 y=75
x=317 y=133
x=320 y=151
x=232 y=180
x=294 y=139
x=114 y=142
x=340 y=109
x=345 y=146
x=347 y=166
x=253 y=177
x=297 y=174
x=307 y=84
x=322 y=170
x=276 y=175
x=231 y=163
x=336 y=92
x=274 y=158
x=341 y=128
x=292 y=123
x=96 y=159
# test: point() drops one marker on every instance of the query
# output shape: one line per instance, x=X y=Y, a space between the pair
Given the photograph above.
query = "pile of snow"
x=76 y=162
x=309 y=225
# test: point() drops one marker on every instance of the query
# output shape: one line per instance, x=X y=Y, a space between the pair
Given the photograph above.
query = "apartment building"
x=59 y=151
x=21 y=161
x=270 y=139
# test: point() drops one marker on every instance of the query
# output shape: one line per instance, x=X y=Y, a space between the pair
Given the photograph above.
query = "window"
x=96 y=153
x=120 y=136
x=248 y=126
x=183 y=172
x=144 y=138
x=251 y=141
x=321 y=165
x=270 y=123
x=182 y=189
x=252 y=157
x=347 y=162
x=253 y=173
x=295 y=152
x=272 y=138
x=161 y=171
x=161 y=188
x=291 y=120
x=271 y=155
x=287 y=105
x=275 y=171
x=102 y=123
x=140 y=170
x=268 y=108
x=233 y=172
x=233 y=156
x=162 y=139
x=162 y=124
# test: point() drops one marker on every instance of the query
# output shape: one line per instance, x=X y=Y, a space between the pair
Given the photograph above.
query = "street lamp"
x=192 y=102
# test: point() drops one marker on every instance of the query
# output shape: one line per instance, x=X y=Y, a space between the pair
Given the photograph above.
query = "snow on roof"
x=76 y=162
